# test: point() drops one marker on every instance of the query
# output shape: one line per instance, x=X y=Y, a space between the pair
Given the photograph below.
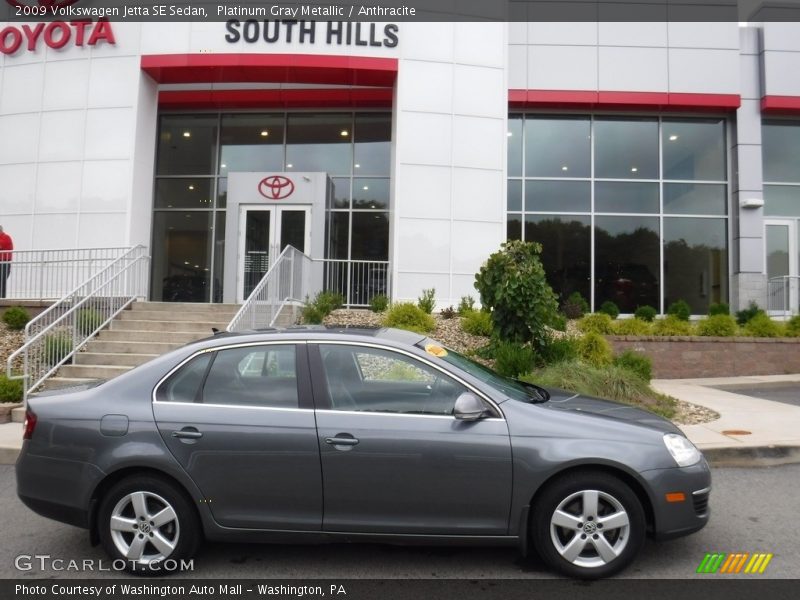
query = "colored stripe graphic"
x=711 y=563
x=721 y=562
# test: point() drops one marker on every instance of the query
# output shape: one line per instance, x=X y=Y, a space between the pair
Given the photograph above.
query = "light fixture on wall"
x=752 y=203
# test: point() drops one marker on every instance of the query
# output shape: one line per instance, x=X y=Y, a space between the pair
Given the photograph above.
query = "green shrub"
x=595 y=349
x=512 y=283
x=327 y=302
x=746 y=314
x=378 y=303
x=512 y=359
x=596 y=323
x=56 y=346
x=10 y=389
x=680 y=309
x=477 y=322
x=88 y=320
x=466 y=305
x=718 y=325
x=762 y=326
x=575 y=306
x=646 y=313
x=635 y=363
x=793 y=326
x=719 y=308
x=448 y=313
x=427 y=301
x=612 y=382
x=16 y=317
x=609 y=308
x=633 y=326
x=312 y=314
x=672 y=325
x=558 y=350
x=559 y=323
x=407 y=315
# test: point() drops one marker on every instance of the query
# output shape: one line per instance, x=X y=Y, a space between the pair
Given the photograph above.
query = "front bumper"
x=677 y=519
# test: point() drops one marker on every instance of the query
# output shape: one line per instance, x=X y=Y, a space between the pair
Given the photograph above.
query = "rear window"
x=184 y=384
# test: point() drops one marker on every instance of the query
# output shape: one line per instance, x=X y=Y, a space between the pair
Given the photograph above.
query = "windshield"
x=513 y=388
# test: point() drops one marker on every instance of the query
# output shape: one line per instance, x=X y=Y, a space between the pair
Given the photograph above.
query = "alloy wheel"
x=144 y=527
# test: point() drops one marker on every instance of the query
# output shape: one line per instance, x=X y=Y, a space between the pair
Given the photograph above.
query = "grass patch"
x=612 y=382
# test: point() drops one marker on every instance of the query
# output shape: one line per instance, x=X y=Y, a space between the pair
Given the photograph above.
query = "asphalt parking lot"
x=788 y=392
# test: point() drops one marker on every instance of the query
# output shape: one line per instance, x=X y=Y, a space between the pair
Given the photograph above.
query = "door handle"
x=187 y=433
x=341 y=441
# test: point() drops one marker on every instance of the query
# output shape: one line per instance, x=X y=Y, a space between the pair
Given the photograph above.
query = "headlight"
x=681 y=449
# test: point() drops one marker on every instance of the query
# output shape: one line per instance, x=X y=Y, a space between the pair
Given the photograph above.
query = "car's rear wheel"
x=147 y=524
x=588 y=525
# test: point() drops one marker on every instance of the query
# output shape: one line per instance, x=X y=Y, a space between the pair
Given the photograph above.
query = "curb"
x=8 y=455
x=752 y=456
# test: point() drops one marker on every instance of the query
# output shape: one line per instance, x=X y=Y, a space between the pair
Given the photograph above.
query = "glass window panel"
x=514 y=195
x=184 y=384
x=695 y=262
x=181 y=256
x=341 y=192
x=256 y=248
x=694 y=149
x=514 y=135
x=695 y=198
x=514 y=227
x=373 y=144
x=222 y=192
x=627 y=257
x=219 y=254
x=782 y=200
x=557 y=147
x=319 y=142
x=187 y=145
x=625 y=197
x=566 y=251
x=370 y=236
x=293 y=229
x=338 y=234
x=251 y=143
x=781 y=151
x=371 y=193
x=626 y=148
x=777 y=250
x=557 y=196
x=184 y=193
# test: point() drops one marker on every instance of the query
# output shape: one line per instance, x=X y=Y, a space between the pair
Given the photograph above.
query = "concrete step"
x=178 y=307
x=131 y=347
x=91 y=371
x=112 y=360
x=158 y=326
x=160 y=315
x=18 y=415
x=170 y=337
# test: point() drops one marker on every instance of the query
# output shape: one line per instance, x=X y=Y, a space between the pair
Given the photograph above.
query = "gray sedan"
x=313 y=435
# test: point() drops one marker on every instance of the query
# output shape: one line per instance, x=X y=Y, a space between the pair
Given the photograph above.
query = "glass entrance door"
x=264 y=232
x=782 y=265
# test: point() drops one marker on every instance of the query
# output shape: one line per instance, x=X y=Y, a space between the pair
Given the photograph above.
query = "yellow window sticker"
x=435 y=350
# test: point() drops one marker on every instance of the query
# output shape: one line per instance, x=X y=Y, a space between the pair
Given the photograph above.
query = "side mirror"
x=469 y=407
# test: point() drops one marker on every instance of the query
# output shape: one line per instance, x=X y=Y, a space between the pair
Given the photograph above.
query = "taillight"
x=29 y=425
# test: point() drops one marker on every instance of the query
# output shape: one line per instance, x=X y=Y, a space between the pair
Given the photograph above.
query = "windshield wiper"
x=539 y=393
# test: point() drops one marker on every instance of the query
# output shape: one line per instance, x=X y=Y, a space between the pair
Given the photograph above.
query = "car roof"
x=313 y=332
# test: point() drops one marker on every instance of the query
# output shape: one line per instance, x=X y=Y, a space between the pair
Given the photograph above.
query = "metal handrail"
x=783 y=294
x=53 y=337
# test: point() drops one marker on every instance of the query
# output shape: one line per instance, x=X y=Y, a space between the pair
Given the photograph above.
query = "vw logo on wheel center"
x=276 y=187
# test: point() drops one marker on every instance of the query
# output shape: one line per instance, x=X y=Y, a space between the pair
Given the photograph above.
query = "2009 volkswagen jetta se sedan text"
x=312 y=435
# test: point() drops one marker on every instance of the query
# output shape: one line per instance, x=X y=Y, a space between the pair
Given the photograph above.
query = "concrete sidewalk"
x=750 y=431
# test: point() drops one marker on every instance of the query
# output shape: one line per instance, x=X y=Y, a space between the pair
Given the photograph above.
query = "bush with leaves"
x=512 y=283
x=16 y=318
x=378 y=303
x=680 y=309
x=762 y=326
x=595 y=349
x=87 y=320
x=448 y=313
x=746 y=314
x=609 y=308
x=10 y=389
x=56 y=346
x=793 y=326
x=512 y=359
x=635 y=362
x=633 y=326
x=558 y=350
x=466 y=305
x=407 y=315
x=477 y=322
x=671 y=325
x=312 y=315
x=575 y=306
x=328 y=302
x=596 y=323
x=646 y=313
x=719 y=325
x=718 y=308
x=428 y=300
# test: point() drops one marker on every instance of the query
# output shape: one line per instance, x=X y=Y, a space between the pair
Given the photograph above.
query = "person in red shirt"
x=6 y=245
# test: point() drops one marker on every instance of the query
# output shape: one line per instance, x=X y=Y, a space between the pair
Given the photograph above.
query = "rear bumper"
x=677 y=519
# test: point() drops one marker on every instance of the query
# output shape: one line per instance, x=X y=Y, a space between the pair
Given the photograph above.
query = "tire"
x=164 y=526
x=579 y=541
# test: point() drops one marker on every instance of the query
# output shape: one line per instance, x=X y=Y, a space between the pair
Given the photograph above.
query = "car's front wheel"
x=588 y=525
x=147 y=524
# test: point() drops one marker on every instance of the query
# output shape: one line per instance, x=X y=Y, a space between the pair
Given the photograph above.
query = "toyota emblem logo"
x=276 y=187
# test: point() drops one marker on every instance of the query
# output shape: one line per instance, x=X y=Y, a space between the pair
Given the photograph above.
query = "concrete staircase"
x=138 y=335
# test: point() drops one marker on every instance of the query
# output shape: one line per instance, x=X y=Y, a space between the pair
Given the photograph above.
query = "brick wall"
x=685 y=357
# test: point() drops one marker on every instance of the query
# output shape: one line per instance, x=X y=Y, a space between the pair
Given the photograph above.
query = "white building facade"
x=654 y=161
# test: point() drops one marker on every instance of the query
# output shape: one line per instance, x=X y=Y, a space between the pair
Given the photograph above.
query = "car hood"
x=562 y=400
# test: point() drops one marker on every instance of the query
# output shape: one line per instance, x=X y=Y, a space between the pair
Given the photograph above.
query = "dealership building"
x=654 y=161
